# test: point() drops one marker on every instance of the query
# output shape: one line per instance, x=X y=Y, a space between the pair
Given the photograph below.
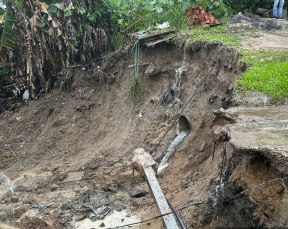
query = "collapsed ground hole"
x=184 y=124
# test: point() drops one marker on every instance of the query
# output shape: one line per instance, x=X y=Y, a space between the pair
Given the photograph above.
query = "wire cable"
x=156 y=217
x=176 y=214
x=260 y=185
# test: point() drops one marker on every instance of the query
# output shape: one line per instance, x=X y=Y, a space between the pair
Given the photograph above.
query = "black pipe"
x=176 y=214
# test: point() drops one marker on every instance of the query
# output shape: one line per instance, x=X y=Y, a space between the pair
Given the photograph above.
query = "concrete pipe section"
x=184 y=124
x=184 y=131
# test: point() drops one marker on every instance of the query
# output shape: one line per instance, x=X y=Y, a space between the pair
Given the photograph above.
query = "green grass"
x=268 y=71
x=214 y=34
x=268 y=74
x=263 y=57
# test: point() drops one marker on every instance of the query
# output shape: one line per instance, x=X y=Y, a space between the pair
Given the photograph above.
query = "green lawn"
x=268 y=74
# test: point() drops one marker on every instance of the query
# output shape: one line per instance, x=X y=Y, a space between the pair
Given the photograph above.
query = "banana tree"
x=40 y=38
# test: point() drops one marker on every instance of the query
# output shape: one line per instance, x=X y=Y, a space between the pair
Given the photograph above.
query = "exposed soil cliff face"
x=256 y=157
x=72 y=150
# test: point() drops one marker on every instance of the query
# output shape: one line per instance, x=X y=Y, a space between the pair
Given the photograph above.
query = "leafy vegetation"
x=8 y=38
x=84 y=35
x=134 y=15
x=49 y=38
x=248 y=5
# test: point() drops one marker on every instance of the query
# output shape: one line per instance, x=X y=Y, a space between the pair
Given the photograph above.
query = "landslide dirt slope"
x=92 y=128
x=69 y=152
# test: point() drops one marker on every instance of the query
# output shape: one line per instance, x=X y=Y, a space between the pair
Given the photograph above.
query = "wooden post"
x=144 y=163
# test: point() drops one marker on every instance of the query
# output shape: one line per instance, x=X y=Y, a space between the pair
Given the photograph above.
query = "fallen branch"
x=123 y=31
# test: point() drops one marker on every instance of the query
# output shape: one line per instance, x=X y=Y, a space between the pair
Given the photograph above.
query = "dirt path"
x=276 y=40
x=271 y=34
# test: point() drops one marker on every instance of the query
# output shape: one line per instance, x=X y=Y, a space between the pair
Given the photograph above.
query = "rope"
x=197 y=88
x=156 y=217
x=136 y=46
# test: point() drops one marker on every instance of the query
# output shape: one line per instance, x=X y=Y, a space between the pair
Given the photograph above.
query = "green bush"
x=218 y=8
x=135 y=15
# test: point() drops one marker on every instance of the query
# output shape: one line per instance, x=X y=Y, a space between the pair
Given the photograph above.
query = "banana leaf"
x=9 y=35
x=20 y=6
x=4 y=71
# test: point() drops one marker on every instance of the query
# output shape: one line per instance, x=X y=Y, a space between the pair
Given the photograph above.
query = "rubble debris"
x=198 y=16
x=262 y=12
x=152 y=38
x=100 y=212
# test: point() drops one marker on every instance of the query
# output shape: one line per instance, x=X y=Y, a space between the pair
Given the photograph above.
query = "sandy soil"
x=276 y=40
x=272 y=34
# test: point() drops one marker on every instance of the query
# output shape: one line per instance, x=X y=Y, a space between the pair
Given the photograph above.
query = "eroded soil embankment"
x=254 y=175
x=69 y=152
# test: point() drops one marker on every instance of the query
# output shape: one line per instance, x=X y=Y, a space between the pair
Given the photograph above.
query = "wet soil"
x=68 y=148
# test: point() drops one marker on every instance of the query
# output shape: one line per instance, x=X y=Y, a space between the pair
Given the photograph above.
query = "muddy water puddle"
x=114 y=220
x=27 y=180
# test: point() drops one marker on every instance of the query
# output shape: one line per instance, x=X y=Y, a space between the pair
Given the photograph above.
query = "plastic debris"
x=164 y=25
x=240 y=16
x=25 y=96
x=165 y=96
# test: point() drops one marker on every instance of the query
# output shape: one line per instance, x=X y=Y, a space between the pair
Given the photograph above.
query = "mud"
x=264 y=24
x=69 y=153
x=265 y=33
